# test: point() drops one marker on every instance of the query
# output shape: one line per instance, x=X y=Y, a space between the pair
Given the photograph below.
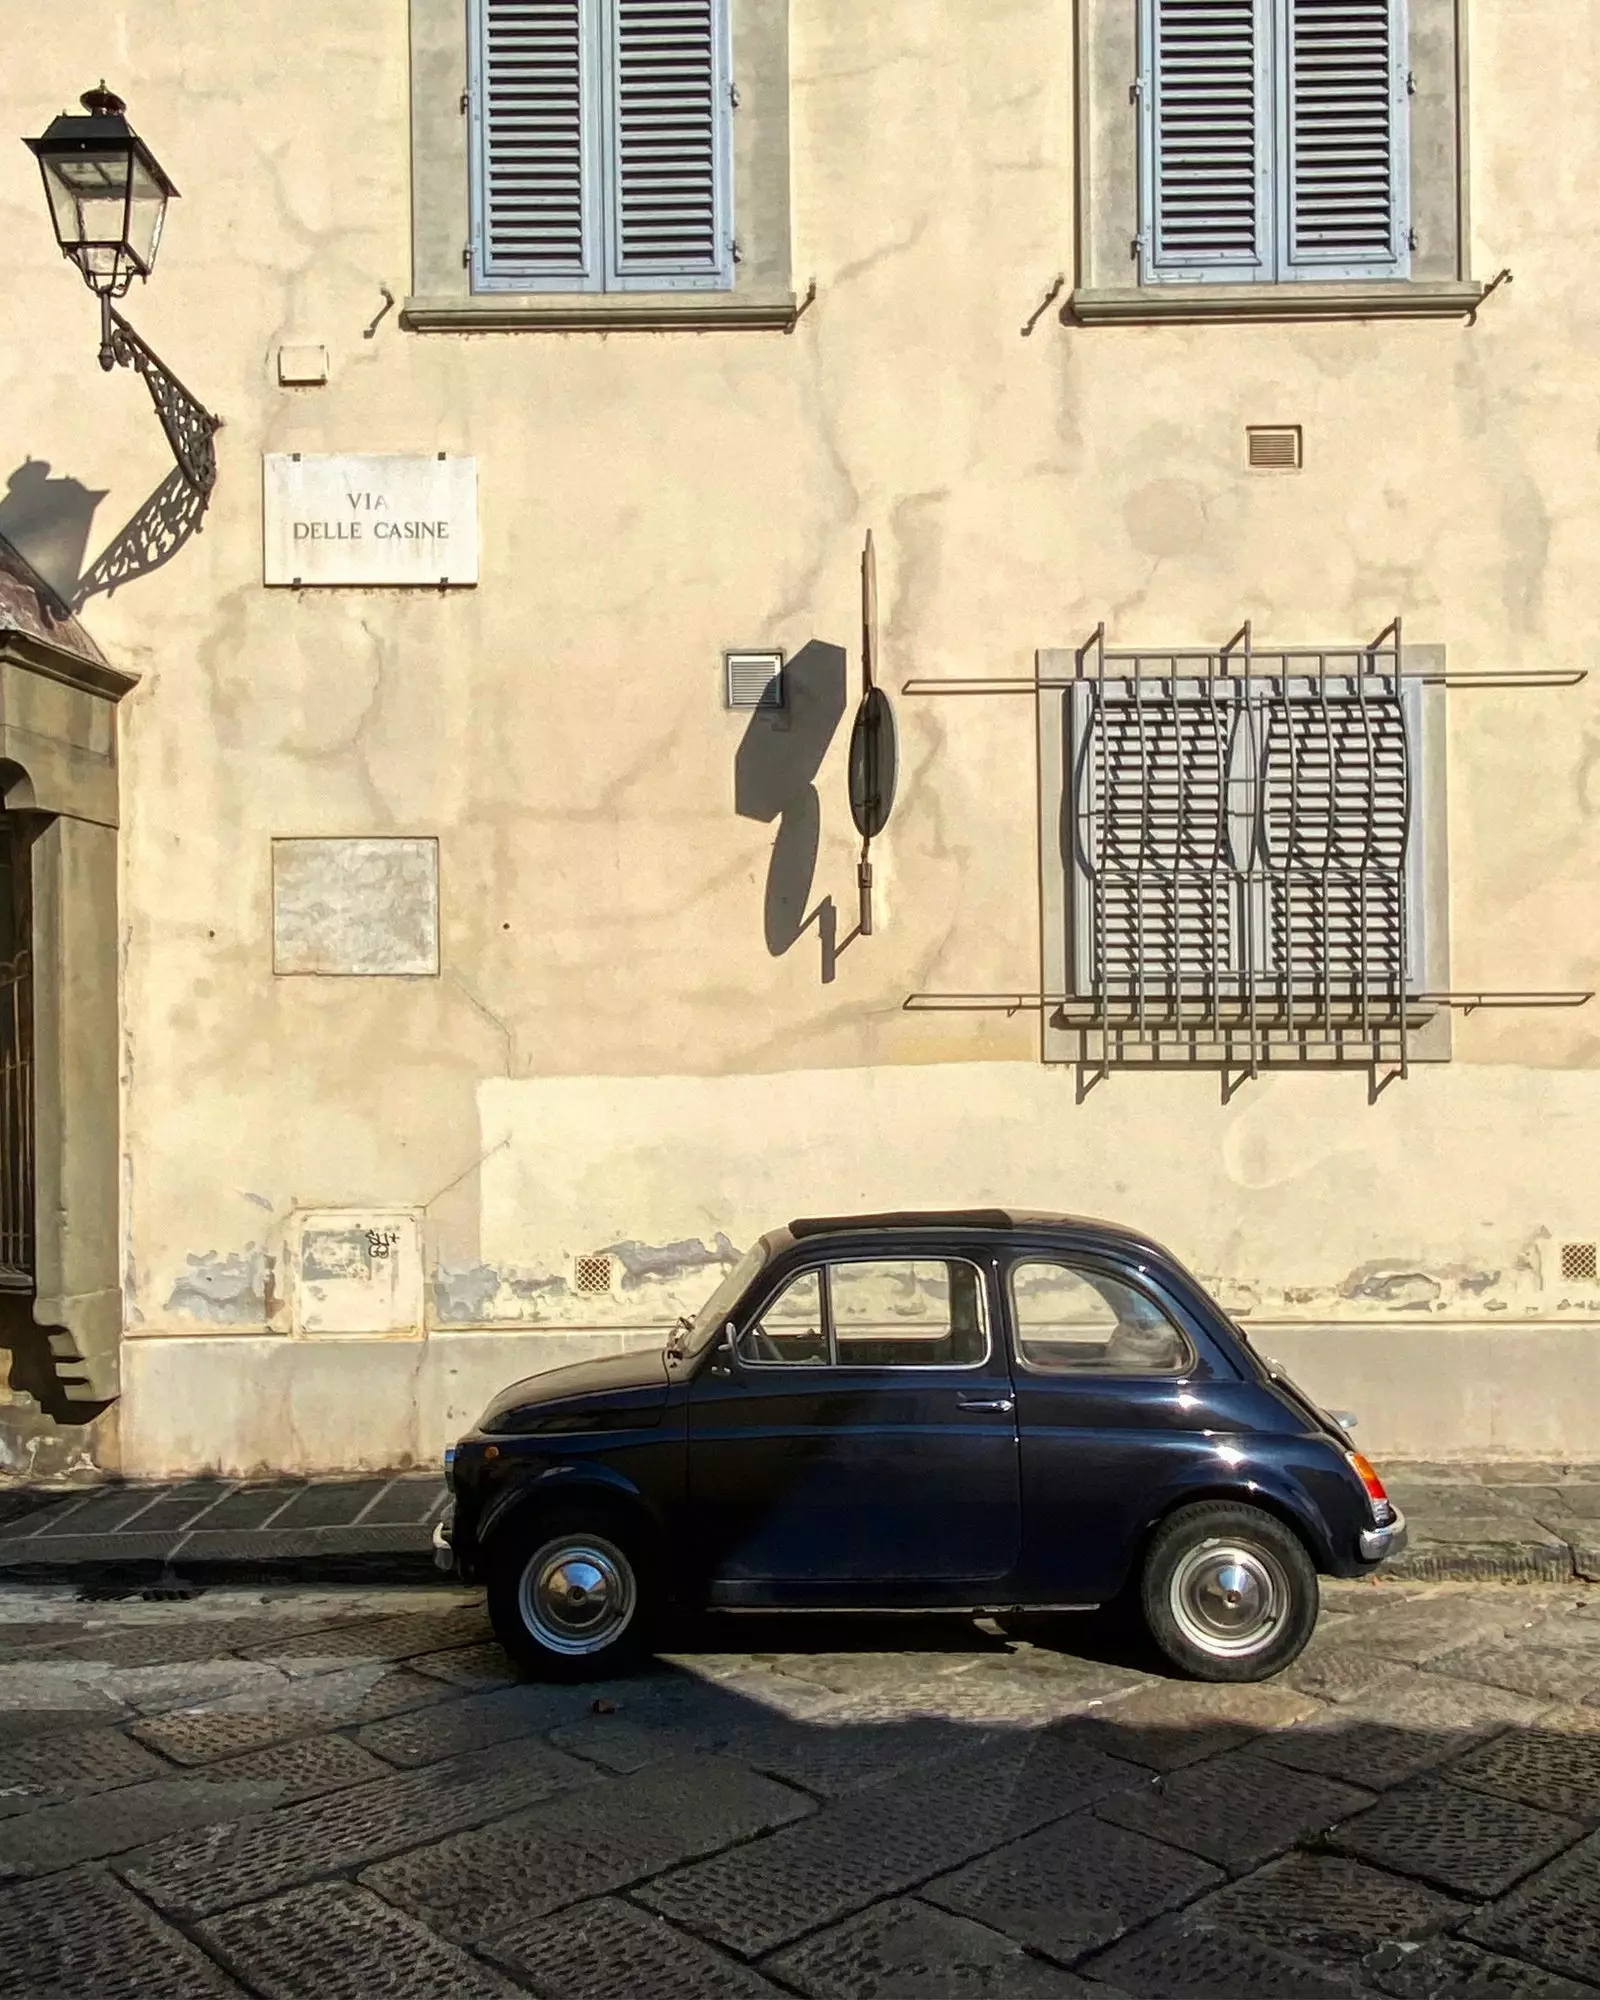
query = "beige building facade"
x=460 y=981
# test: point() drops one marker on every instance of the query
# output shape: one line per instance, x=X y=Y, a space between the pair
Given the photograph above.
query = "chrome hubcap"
x=577 y=1595
x=1229 y=1599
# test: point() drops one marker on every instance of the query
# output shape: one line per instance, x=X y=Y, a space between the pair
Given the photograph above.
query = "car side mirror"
x=722 y=1358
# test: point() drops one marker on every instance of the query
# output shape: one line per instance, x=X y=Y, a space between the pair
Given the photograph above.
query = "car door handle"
x=1003 y=1405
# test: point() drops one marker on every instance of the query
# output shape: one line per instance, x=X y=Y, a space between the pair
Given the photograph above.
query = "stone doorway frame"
x=58 y=758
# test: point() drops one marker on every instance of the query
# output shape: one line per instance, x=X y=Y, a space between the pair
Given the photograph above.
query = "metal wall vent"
x=1276 y=447
x=1579 y=1262
x=754 y=680
x=591 y=1276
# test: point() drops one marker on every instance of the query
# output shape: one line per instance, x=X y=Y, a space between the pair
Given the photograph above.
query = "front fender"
x=543 y=1486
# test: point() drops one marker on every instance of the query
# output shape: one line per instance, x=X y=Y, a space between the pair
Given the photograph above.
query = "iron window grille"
x=1246 y=854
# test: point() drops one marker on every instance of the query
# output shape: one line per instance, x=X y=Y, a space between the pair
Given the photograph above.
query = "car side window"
x=792 y=1332
x=876 y=1313
x=905 y=1313
x=1071 y=1321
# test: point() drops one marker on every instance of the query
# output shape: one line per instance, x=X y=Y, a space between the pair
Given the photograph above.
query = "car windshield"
x=709 y=1319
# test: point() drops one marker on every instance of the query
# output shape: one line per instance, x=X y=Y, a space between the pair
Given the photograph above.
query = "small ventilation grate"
x=592 y=1275
x=1578 y=1261
x=754 y=680
x=1276 y=447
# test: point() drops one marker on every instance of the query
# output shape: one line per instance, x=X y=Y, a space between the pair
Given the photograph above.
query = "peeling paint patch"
x=1386 y=1283
x=225 y=1290
x=480 y=1295
x=644 y=1262
x=464 y=1294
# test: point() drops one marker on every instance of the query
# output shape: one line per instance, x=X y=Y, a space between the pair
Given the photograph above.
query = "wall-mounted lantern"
x=108 y=197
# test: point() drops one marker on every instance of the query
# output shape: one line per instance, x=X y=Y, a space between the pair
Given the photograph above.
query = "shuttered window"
x=1274 y=140
x=601 y=145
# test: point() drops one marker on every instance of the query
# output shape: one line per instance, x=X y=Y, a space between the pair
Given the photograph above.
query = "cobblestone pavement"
x=305 y=1794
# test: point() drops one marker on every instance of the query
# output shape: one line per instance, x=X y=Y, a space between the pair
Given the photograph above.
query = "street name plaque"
x=376 y=519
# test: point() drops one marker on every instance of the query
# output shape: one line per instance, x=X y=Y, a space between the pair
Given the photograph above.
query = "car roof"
x=988 y=1221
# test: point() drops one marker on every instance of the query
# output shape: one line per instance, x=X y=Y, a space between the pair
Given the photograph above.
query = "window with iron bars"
x=1252 y=867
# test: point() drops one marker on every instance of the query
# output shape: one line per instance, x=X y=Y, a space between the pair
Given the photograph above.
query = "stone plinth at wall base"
x=1452 y=1392
x=241 y=1404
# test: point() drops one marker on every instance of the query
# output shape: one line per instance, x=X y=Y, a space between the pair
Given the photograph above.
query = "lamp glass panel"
x=147 y=206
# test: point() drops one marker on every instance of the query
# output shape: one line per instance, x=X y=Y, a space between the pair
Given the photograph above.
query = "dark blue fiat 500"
x=985 y=1412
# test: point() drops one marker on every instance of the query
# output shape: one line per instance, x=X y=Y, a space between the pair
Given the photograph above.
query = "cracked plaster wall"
x=650 y=499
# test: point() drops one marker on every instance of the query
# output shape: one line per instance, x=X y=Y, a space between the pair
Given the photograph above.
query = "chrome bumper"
x=1377 y=1543
x=444 y=1555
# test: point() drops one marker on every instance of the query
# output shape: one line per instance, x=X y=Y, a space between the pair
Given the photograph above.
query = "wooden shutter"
x=1206 y=140
x=535 y=146
x=1344 y=173
x=669 y=171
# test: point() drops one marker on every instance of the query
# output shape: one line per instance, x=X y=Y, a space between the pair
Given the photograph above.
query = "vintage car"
x=983 y=1412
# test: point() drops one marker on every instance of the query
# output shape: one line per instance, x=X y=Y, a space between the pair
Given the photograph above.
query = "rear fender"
x=1272 y=1496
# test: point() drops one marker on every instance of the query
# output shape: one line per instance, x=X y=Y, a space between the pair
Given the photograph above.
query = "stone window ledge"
x=609 y=312
x=1154 y=305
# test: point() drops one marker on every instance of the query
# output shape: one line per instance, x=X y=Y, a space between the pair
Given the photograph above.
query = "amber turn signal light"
x=1367 y=1474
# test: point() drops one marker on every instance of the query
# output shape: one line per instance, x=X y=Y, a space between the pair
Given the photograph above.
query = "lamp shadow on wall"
x=774 y=779
x=47 y=520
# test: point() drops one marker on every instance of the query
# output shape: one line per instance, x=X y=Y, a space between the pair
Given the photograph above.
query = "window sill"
x=1155 y=305
x=602 y=312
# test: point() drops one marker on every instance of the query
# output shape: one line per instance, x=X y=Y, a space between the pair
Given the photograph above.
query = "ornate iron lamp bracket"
x=189 y=425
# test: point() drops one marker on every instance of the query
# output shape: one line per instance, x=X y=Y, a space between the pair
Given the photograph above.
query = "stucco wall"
x=648 y=499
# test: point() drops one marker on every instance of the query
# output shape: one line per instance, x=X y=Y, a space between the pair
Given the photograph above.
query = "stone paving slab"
x=278 y=1714
x=907 y=1951
x=1547 y=1673
x=388 y=1639
x=424 y=1736
x=52 y=1770
x=82 y=1933
x=476 y=1887
x=1451 y=1969
x=1470 y=1843
x=1073 y=1888
x=1325 y=1909
x=1401 y=1729
x=1167 y=1724
x=880 y=1843
x=1238 y=1810
x=1553 y=1918
x=334 y=1941
x=1169 y=1962
x=306 y=1769
x=606 y=1949
x=200 y=1874
x=828 y=1754
x=1555 y=1764
x=56 y=1837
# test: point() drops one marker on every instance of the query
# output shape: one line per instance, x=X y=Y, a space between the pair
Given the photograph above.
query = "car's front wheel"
x=568 y=1597
x=1228 y=1592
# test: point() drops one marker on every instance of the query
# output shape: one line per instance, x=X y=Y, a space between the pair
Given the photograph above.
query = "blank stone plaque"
x=364 y=908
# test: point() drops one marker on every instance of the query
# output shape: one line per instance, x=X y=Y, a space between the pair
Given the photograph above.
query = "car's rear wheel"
x=1228 y=1592
x=568 y=1596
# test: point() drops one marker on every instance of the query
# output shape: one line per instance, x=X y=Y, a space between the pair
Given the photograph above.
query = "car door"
x=1115 y=1403
x=857 y=1442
